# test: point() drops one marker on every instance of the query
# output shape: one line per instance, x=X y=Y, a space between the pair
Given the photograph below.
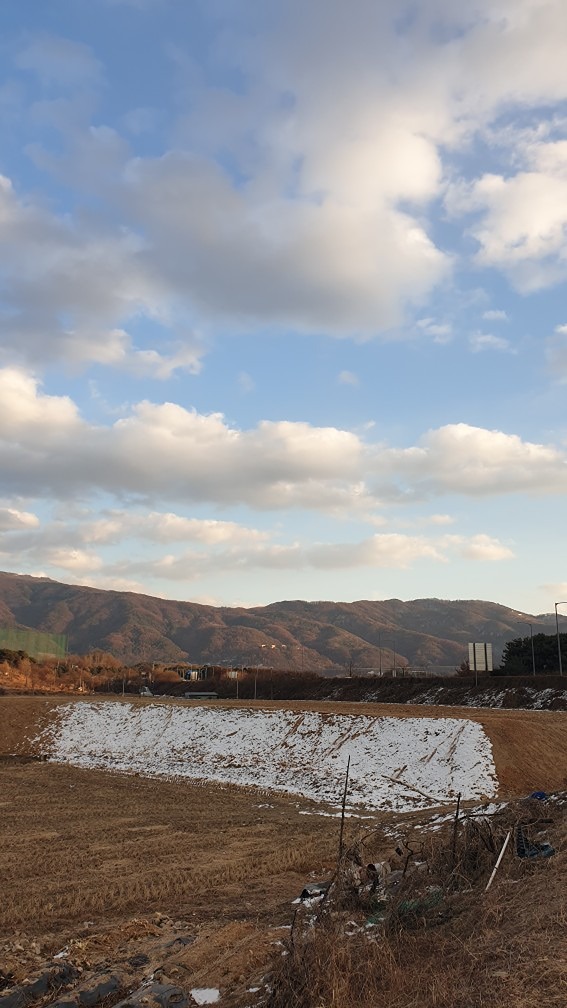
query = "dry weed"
x=464 y=948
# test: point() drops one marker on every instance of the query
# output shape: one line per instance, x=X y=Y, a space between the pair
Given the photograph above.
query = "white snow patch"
x=396 y=763
x=205 y=995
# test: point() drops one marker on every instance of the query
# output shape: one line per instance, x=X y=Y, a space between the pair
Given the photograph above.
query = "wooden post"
x=455 y=824
x=343 y=810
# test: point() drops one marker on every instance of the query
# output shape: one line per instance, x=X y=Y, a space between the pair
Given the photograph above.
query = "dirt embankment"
x=512 y=692
x=529 y=747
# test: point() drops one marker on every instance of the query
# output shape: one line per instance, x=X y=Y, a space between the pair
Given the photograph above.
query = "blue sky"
x=283 y=304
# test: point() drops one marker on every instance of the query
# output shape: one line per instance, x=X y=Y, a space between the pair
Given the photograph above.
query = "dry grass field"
x=193 y=883
x=86 y=853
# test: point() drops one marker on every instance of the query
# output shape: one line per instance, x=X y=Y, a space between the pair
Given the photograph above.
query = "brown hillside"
x=314 y=636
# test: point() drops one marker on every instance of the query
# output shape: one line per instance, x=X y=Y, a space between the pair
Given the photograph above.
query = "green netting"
x=34 y=643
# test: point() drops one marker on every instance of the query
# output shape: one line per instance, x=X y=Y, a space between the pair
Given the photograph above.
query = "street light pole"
x=558 y=637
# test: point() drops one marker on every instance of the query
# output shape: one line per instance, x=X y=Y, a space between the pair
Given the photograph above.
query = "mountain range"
x=327 y=637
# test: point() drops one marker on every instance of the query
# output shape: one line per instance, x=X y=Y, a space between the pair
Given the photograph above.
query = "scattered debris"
x=358 y=940
x=205 y=995
x=314 y=891
x=156 y=995
x=527 y=849
x=25 y=993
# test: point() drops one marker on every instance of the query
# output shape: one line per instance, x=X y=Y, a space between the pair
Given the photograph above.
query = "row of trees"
x=523 y=653
x=100 y=672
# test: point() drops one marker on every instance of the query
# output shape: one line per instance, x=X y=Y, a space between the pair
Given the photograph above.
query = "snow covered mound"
x=396 y=763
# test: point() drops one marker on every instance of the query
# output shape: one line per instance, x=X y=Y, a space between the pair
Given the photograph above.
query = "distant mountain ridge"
x=314 y=636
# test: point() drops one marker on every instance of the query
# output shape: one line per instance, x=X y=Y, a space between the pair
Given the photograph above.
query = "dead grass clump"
x=494 y=951
x=332 y=965
x=438 y=939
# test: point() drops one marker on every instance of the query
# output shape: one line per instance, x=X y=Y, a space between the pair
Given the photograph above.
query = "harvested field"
x=90 y=857
x=192 y=883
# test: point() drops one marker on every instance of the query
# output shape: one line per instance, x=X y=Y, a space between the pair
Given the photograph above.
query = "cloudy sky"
x=283 y=298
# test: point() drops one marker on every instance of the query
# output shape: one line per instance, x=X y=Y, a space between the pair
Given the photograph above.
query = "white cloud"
x=28 y=417
x=100 y=550
x=73 y=560
x=522 y=229
x=486 y=341
x=480 y=547
x=333 y=263
x=12 y=519
x=348 y=378
x=383 y=550
x=495 y=315
x=162 y=366
x=141 y=120
x=46 y=447
x=438 y=519
x=557 y=591
x=167 y=528
x=521 y=217
x=440 y=331
x=64 y=289
x=325 y=222
x=556 y=353
x=60 y=61
x=461 y=459
x=246 y=382
x=379 y=552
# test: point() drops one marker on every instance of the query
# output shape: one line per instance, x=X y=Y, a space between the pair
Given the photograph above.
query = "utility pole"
x=559 y=637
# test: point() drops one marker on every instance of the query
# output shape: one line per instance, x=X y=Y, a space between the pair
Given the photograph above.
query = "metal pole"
x=558 y=638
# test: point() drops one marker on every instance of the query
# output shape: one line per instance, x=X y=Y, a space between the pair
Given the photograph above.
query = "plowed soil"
x=196 y=879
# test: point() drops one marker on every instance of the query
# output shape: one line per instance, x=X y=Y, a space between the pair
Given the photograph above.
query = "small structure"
x=193 y=673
